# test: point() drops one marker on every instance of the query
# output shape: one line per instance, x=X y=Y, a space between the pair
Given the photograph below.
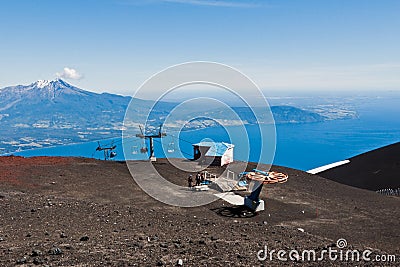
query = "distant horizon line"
x=297 y=92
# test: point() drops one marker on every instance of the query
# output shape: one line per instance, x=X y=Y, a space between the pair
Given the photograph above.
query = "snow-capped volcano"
x=50 y=84
x=57 y=111
x=55 y=88
x=41 y=89
x=55 y=99
x=44 y=92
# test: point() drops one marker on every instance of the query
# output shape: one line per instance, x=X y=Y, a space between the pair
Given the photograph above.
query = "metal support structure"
x=150 y=137
x=259 y=178
x=108 y=151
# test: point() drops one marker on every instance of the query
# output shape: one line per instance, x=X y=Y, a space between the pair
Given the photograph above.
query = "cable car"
x=171 y=147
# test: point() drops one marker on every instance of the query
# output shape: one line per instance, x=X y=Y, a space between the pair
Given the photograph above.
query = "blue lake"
x=300 y=146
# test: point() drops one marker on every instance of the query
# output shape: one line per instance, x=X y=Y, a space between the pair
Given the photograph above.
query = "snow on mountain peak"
x=45 y=89
x=42 y=83
x=52 y=85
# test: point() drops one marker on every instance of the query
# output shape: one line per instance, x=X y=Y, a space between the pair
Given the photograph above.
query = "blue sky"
x=283 y=45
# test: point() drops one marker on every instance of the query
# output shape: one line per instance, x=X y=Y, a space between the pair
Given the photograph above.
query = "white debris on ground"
x=231 y=198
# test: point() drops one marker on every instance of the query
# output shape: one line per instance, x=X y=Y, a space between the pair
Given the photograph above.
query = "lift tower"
x=150 y=137
x=108 y=151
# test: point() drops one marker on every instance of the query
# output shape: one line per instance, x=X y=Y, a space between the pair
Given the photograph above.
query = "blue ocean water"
x=301 y=146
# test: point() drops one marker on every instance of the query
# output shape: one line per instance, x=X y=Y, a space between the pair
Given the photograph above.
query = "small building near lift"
x=213 y=153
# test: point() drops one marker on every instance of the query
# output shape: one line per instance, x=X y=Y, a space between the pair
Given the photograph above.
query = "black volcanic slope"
x=374 y=170
x=85 y=212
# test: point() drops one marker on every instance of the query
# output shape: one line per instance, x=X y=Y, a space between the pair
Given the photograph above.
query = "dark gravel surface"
x=374 y=170
x=84 y=212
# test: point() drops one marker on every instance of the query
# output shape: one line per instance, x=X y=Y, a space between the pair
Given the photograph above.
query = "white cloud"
x=69 y=73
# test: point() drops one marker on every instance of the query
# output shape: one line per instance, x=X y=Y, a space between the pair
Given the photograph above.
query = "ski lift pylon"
x=108 y=151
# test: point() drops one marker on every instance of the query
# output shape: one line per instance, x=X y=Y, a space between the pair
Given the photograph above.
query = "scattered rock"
x=179 y=262
x=69 y=247
x=240 y=256
x=154 y=238
x=63 y=235
x=160 y=263
x=21 y=261
x=36 y=253
x=55 y=251
x=84 y=238
x=139 y=244
x=38 y=261
x=163 y=245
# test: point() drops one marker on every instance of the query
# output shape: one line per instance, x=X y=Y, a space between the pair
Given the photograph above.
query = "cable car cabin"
x=213 y=153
